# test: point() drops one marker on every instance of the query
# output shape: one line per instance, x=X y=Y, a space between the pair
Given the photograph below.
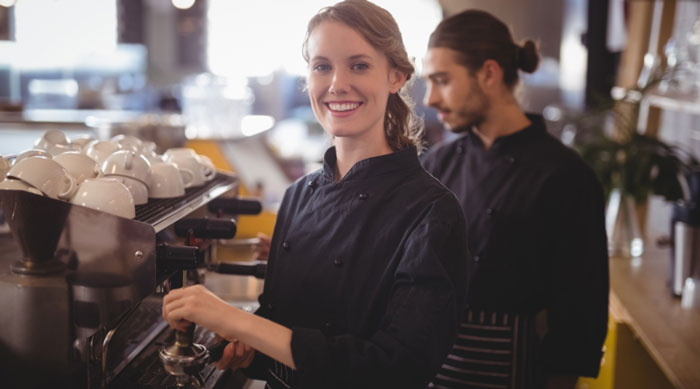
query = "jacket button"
x=269 y=306
x=489 y=211
x=311 y=185
x=511 y=159
x=328 y=325
x=285 y=246
x=476 y=258
x=338 y=262
x=363 y=196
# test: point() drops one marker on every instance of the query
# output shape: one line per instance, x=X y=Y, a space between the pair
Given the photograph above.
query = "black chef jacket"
x=536 y=235
x=368 y=272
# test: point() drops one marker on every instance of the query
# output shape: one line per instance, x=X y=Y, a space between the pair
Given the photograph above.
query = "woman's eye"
x=360 y=66
x=322 y=67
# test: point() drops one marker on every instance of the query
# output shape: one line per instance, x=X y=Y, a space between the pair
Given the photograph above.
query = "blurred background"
x=218 y=69
x=174 y=71
x=619 y=81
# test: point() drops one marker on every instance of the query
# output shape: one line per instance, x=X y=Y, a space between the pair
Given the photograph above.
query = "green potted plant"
x=630 y=165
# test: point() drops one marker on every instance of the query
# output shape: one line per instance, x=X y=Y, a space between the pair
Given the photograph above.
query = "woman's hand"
x=236 y=355
x=262 y=249
x=196 y=304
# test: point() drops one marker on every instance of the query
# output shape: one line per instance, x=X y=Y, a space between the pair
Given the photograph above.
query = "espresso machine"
x=81 y=290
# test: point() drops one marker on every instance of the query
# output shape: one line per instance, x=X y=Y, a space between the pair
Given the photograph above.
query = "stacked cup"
x=110 y=175
x=106 y=195
x=43 y=174
x=195 y=169
x=131 y=169
x=54 y=142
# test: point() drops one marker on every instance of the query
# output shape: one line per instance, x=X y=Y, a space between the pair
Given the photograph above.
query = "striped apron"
x=492 y=350
x=281 y=377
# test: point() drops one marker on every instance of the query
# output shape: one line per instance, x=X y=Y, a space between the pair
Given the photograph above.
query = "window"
x=62 y=30
x=255 y=38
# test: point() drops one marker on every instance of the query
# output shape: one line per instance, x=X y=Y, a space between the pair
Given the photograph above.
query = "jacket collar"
x=372 y=167
x=535 y=130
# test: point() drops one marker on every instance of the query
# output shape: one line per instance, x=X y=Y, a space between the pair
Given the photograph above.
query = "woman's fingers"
x=226 y=357
x=236 y=355
x=240 y=349
x=249 y=359
x=263 y=247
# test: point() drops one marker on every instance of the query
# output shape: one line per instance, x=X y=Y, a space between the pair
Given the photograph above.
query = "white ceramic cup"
x=99 y=150
x=80 y=143
x=4 y=167
x=12 y=184
x=153 y=157
x=32 y=153
x=128 y=142
x=166 y=181
x=147 y=145
x=46 y=175
x=79 y=165
x=52 y=139
x=180 y=151
x=106 y=195
x=188 y=161
x=60 y=149
x=139 y=191
x=129 y=164
x=206 y=161
x=148 y=150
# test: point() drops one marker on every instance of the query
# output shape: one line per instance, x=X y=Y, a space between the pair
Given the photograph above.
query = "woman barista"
x=366 y=270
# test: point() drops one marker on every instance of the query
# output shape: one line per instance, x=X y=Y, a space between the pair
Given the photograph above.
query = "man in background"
x=537 y=294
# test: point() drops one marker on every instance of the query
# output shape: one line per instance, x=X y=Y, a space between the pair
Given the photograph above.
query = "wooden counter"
x=641 y=298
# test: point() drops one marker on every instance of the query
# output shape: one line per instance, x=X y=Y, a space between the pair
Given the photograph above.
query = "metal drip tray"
x=160 y=213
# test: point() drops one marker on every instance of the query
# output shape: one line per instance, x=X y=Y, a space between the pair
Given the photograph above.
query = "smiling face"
x=349 y=82
x=453 y=90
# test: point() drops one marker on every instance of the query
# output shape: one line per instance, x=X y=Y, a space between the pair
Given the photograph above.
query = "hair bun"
x=528 y=59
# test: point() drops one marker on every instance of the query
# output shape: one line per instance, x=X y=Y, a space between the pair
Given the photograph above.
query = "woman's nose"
x=338 y=83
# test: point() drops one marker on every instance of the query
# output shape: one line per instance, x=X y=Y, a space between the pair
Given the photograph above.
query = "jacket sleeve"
x=258 y=368
x=418 y=326
x=577 y=274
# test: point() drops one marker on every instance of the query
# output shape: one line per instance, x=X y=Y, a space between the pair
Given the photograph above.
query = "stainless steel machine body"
x=77 y=287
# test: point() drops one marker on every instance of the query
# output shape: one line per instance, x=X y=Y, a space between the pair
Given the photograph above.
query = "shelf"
x=673 y=103
x=671 y=333
x=667 y=102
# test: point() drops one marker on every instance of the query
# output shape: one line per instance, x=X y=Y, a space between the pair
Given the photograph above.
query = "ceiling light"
x=180 y=4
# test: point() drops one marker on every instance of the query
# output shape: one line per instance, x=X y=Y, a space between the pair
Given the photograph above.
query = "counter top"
x=641 y=298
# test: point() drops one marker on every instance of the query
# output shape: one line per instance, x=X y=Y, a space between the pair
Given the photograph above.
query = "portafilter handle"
x=252 y=268
x=206 y=228
x=235 y=206
x=183 y=339
x=178 y=257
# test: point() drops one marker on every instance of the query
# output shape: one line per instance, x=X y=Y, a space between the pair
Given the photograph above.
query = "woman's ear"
x=397 y=79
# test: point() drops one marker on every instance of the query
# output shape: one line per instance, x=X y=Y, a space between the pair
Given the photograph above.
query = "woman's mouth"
x=342 y=109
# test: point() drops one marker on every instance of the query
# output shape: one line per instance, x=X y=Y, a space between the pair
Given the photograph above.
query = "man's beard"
x=475 y=115
x=471 y=120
